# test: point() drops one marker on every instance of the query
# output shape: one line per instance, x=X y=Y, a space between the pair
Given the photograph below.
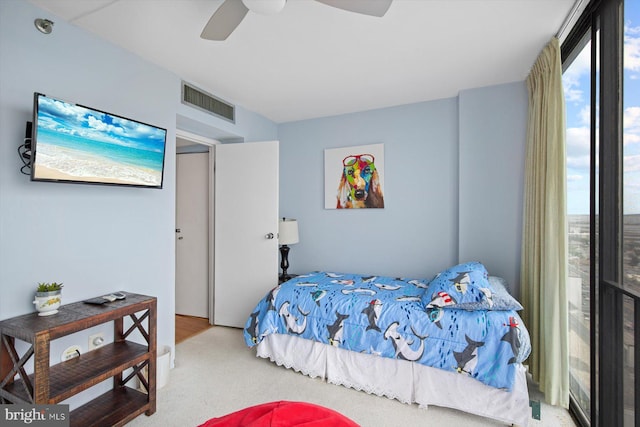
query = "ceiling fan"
x=229 y=15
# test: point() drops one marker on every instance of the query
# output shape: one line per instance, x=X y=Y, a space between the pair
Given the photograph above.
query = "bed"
x=454 y=341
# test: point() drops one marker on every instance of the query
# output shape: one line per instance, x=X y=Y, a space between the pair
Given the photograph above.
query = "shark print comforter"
x=384 y=316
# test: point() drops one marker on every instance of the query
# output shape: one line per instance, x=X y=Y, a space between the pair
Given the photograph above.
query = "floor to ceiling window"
x=576 y=79
x=631 y=206
x=601 y=61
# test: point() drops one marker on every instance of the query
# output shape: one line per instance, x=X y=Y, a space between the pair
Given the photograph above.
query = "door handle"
x=178 y=230
x=269 y=236
x=180 y=238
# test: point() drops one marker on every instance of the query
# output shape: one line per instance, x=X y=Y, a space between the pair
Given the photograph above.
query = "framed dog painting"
x=354 y=177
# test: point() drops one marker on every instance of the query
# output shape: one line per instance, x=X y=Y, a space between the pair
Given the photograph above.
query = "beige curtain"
x=544 y=241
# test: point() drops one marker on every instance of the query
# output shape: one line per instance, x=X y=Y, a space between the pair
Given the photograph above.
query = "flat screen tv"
x=78 y=144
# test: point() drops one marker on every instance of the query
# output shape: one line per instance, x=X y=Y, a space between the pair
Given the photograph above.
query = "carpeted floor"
x=217 y=374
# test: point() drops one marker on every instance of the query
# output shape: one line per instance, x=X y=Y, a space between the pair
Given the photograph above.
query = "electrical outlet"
x=70 y=353
x=96 y=340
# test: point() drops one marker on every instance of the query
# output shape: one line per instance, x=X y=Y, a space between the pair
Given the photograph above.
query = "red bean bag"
x=282 y=414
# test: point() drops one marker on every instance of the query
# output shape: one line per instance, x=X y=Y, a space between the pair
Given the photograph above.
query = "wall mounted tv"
x=74 y=143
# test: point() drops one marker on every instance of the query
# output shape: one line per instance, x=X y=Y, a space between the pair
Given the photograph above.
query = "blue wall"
x=453 y=178
x=416 y=232
x=493 y=125
x=453 y=184
x=95 y=239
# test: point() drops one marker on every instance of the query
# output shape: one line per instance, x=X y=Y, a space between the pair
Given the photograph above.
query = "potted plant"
x=48 y=298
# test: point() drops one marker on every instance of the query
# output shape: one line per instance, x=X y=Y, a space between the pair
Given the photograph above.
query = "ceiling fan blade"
x=224 y=20
x=367 y=7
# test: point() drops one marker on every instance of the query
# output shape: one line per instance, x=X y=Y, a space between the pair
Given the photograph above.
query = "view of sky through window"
x=631 y=119
x=576 y=89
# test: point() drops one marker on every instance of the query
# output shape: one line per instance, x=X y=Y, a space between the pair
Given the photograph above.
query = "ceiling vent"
x=208 y=103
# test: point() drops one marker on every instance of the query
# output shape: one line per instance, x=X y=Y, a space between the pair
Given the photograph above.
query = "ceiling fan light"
x=265 y=7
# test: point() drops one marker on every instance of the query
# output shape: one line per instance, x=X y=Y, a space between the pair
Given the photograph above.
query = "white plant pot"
x=47 y=303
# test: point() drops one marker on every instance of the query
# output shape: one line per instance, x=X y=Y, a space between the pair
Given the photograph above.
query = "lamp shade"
x=288 y=231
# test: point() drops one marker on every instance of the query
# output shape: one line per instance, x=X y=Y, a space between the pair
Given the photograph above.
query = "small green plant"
x=48 y=287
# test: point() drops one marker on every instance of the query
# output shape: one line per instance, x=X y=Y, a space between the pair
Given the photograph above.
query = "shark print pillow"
x=467 y=286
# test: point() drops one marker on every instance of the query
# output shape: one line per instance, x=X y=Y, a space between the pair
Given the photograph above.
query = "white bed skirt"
x=405 y=381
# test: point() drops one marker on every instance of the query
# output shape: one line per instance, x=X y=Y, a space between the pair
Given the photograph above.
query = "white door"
x=246 y=228
x=192 y=236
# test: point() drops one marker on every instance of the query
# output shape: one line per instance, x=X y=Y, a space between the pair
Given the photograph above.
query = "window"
x=603 y=211
x=630 y=206
x=577 y=79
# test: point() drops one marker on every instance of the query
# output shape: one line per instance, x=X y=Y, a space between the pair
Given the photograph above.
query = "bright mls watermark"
x=34 y=415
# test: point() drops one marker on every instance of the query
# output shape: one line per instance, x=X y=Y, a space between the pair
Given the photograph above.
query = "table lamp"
x=287 y=235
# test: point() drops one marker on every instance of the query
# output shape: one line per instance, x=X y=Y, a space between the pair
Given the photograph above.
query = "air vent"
x=208 y=103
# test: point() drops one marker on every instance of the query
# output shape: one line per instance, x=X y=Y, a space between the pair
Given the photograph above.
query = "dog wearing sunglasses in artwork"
x=360 y=183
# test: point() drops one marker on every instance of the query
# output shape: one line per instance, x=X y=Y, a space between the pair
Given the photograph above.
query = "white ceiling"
x=312 y=60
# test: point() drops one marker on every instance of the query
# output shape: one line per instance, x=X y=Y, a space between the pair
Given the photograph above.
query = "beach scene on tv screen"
x=75 y=143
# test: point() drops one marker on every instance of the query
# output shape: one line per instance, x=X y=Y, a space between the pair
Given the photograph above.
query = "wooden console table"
x=55 y=383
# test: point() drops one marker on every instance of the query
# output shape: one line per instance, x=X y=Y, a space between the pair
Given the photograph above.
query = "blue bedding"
x=385 y=316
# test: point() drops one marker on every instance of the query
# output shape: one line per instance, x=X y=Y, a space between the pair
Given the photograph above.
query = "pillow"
x=502 y=299
x=468 y=286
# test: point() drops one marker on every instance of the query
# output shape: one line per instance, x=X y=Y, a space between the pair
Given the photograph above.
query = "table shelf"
x=55 y=383
x=113 y=408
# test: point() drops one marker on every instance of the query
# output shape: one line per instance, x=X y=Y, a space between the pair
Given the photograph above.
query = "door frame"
x=210 y=143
